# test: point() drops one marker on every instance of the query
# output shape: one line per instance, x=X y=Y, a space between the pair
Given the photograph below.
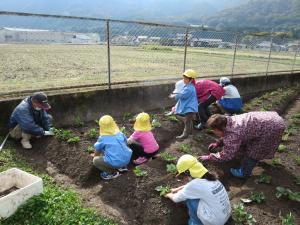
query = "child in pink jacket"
x=142 y=141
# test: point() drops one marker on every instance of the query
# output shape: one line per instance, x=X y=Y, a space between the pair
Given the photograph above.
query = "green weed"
x=93 y=133
x=78 y=122
x=126 y=116
x=139 y=172
x=288 y=219
x=297 y=160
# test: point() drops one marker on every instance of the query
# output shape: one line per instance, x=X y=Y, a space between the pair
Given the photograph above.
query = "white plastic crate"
x=28 y=185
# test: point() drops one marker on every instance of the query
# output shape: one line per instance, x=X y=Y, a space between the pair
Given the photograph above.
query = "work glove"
x=213 y=146
x=205 y=157
x=48 y=133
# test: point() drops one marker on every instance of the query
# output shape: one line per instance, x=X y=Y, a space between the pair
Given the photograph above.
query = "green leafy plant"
x=240 y=216
x=93 y=133
x=156 y=123
x=124 y=131
x=185 y=149
x=163 y=190
x=90 y=149
x=171 y=168
x=288 y=219
x=62 y=134
x=285 y=136
x=78 y=122
x=276 y=162
x=281 y=148
x=297 y=160
x=127 y=116
x=74 y=139
x=139 y=172
x=172 y=118
x=297 y=180
x=264 y=178
x=285 y=192
x=257 y=197
x=168 y=157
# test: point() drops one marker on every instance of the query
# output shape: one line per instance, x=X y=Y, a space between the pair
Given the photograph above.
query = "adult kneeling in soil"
x=187 y=104
x=113 y=144
x=142 y=141
x=255 y=135
x=30 y=119
x=205 y=196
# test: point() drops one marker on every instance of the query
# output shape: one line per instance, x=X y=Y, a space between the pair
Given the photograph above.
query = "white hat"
x=224 y=80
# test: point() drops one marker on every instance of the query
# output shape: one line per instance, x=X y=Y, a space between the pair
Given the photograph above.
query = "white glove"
x=48 y=133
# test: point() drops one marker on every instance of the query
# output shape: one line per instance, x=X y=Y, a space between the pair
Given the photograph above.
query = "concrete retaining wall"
x=93 y=104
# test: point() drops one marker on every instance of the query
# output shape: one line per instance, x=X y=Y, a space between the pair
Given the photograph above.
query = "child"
x=178 y=88
x=187 y=104
x=142 y=141
x=206 y=197
x=231 y=102
x=113 y=144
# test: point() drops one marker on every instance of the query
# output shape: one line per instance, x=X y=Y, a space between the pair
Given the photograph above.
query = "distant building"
x=34 y=36
x=293 y=46
x=206 y=42
x=124 y=40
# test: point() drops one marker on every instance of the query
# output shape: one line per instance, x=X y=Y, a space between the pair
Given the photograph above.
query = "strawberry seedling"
x=276 y=162
x=281 y=148
x=257 y=197
x=285 y=192
x=139 y=172
x=172 y=118
x=297 y=160
x=90 y=149
x=156 y=123
x=263 y=178
x=78 y=122
x=62 y=134
x=241 y=217
x=288 y=219
x=167 y=157
x=163 y=190
x=185 y=149
x=171 y=168
x=75 y=139
x=93 y=133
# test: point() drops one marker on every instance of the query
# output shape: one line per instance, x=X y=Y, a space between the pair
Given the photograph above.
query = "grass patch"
x=54 y=206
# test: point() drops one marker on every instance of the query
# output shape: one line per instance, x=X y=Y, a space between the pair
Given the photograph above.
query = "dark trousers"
x=248 y=165
x=138 y=151
x=203 y=112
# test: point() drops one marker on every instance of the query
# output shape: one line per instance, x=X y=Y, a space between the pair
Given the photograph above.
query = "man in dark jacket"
x=30 y=118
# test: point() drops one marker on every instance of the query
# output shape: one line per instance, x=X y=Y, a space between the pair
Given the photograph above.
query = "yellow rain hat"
x=108 y=126
x=190 y=73
x=142 y=122
x=189 y=162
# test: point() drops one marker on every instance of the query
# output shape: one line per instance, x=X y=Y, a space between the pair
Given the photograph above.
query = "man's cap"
x=41 y=99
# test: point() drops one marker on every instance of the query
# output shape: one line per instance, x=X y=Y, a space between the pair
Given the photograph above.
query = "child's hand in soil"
x=92 y=154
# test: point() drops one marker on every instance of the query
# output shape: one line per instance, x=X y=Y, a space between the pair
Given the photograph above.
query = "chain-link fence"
x=48 y=51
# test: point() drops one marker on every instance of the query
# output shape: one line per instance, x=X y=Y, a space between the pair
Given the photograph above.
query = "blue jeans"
x=248 y=165
x=192 y=205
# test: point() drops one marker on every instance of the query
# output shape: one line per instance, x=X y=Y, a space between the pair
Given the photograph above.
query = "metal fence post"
x=234 y=54
x=185 y=47
x=295 y=57
x=108 y=53
x=270 y=52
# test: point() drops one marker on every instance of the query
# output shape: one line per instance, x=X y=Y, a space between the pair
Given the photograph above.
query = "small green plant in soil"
x=139 y=172
x=171 y=168
x=93 y=133
x=185 y=148
x=156 y=123
x=241 y=216
x=257 y=197
x=285 y=192
x=62 y=134
x=126 y=116
x=172 y=118
x=163 y=190
x=285 y=137
x=264 y=178
x=297 y=180
x=166 y=156
x=281 y=148
x=73 y=140
x=288 y=219
x=276 y=162
x=297 y=160
x=90 y=149
x=124 y=131
x=78 y=122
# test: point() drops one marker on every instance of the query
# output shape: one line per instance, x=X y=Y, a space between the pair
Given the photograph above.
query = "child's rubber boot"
x=237 y=172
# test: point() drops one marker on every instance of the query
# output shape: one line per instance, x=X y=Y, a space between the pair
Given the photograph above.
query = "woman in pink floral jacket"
x=256 y=134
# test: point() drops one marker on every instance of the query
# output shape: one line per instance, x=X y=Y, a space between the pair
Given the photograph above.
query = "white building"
x=34 y=36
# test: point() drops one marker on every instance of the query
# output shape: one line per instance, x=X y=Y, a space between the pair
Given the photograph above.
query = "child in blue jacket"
x=187 y=103
x=113 y=144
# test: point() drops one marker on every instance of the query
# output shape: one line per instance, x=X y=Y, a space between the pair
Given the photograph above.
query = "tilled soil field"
x=133 y=200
